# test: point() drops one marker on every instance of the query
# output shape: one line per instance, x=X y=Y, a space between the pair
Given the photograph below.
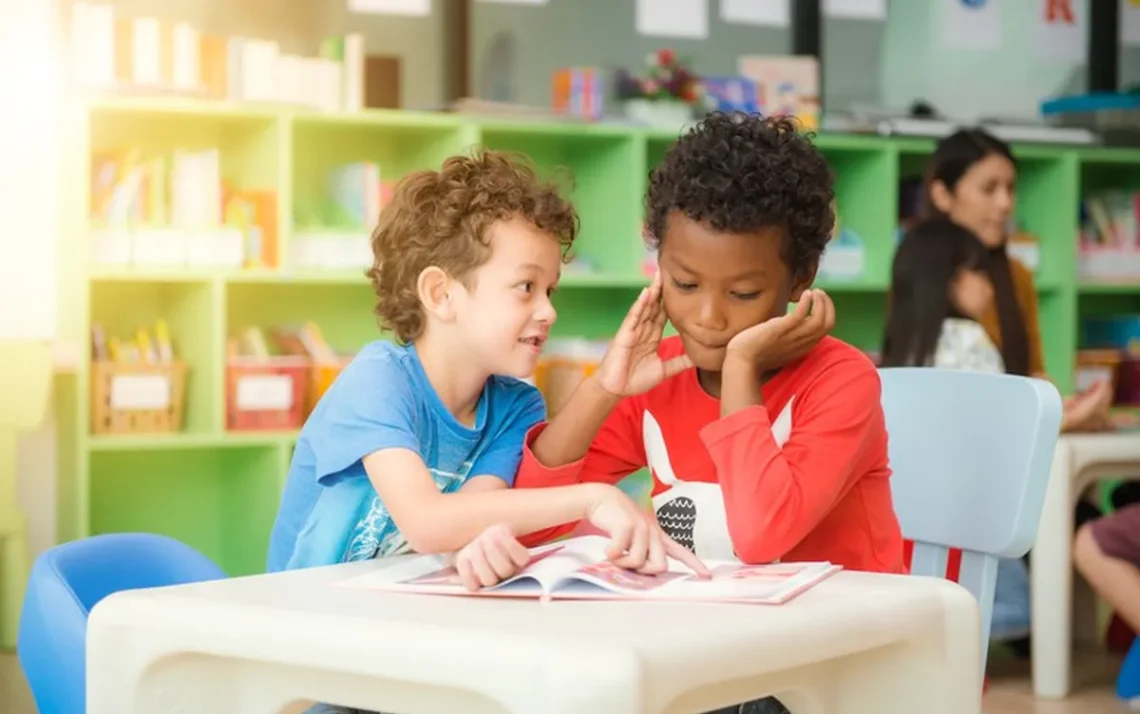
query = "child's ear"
x=803 y=281
x=433 y=286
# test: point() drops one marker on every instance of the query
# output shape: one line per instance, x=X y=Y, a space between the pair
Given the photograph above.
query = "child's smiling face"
x=718 y=284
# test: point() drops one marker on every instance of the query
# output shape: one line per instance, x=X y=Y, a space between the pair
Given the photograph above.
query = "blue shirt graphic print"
x=330 y=512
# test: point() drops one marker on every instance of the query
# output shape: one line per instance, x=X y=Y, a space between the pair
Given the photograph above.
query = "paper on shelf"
x=673 y=18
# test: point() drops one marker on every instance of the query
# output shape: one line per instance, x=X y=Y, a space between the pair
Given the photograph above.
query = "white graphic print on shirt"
x=692 y=512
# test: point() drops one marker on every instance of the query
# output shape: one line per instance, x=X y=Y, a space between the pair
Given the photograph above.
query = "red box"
x=267 y=394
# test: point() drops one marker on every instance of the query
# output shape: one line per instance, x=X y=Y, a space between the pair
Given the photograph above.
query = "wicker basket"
x=137 y=398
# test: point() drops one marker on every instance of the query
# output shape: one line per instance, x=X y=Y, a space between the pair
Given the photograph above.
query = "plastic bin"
x=267 y=394
x=137 y=398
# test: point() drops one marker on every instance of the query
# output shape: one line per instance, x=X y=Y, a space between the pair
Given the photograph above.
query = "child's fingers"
x=679 y=552
x=655 y=561
x=482 y=567
x=629 y=326
x=467 y=575
x=499 y=560
x=828 y=309
x=677 y=365
x=517 y=552
x=620 y=539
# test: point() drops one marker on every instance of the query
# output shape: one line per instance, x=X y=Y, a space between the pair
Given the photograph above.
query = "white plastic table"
x=858 y=642
x=1080 y=461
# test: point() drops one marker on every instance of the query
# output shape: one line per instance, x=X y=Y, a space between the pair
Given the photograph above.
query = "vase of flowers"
x=665 y=94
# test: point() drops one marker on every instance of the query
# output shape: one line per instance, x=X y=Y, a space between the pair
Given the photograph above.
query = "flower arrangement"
x=666 y=79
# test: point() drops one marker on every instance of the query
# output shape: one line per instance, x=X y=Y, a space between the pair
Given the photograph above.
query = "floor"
x=1009 y=691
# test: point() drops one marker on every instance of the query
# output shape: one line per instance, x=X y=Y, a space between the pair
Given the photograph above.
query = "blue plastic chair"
x=971 y=454
x=67 y=581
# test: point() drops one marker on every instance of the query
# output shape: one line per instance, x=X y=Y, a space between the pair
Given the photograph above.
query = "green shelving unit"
x=218 y=490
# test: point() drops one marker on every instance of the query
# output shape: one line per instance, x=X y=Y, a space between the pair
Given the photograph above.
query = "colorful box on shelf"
x=579 y=91
x=1109 y=246
x=264 y=394
x=1108 y=263
x=168 y=247
x=137 y=398
x=1112 y=351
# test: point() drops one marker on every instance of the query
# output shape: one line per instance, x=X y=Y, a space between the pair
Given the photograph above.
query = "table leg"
x=1051 y=583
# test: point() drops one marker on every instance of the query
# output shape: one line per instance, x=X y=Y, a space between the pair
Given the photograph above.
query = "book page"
x=773 y=582
x=436 y=574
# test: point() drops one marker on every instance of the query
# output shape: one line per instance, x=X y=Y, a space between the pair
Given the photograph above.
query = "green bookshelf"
x=218 y=490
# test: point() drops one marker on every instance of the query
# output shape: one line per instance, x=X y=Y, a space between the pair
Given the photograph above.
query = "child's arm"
x=435 y=522
x=774 y=496
x=615 y=452
x=630 y=366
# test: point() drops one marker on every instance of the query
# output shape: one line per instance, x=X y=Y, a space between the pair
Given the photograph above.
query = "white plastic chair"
x=971 y=455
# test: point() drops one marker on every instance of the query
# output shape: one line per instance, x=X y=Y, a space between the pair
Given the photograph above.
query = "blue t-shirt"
x=330 y=512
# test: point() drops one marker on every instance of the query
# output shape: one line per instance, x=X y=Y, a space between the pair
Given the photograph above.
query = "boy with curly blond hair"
x=415 y=445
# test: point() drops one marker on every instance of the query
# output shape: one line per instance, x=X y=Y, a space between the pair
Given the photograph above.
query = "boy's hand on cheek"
x=631 y=364
x=775 y=342
x=491 y=558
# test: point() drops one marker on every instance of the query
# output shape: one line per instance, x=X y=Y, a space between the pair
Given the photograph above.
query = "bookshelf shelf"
x=218 y=490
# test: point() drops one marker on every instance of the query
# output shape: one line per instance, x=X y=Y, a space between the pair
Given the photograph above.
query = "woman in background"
x=971 y=180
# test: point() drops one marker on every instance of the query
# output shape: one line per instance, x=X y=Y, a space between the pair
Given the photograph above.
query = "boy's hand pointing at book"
x=491 y=558
x=631 y=365
x=637 y=541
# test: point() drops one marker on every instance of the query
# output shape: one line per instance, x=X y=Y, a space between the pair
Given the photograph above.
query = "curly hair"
x=742 y=173
x=441 y=218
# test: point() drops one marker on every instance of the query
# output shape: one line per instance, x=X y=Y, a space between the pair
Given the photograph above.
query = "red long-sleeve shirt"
x=804 y=477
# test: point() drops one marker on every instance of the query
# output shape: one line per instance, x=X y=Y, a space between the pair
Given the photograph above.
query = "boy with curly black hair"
x=765 y=436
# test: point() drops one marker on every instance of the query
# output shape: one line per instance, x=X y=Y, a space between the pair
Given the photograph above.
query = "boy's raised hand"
x=773 y=343
x=631 y=364
x=491 y=558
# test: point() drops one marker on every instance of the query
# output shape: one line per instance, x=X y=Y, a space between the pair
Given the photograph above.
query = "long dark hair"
x=926 y=263
x=953 y=157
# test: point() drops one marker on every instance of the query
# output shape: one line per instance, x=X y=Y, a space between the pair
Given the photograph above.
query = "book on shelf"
x=110 y=50
x=577 y=569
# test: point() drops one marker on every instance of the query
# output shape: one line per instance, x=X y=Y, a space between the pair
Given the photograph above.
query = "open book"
x=577 y=569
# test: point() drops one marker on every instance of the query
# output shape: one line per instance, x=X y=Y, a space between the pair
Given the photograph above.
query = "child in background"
x=940 y=294
x=765 y=436
x=415 y=445
x=940 y=289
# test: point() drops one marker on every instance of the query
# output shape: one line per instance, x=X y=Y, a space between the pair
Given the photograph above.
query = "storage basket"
x=266 y=394
x=137 y=398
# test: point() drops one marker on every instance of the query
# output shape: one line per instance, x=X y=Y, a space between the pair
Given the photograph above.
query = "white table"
x=1080 y=461
x=874 y=644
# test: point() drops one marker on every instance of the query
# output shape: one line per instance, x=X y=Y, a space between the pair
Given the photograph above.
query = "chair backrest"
x=67 y=581
x=971 y=455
